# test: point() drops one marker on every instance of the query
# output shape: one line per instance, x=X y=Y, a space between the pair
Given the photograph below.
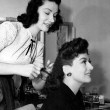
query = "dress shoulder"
x=7 y=34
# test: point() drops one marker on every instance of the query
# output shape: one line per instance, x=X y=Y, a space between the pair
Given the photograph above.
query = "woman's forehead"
x=50 y=5
x=80 y=57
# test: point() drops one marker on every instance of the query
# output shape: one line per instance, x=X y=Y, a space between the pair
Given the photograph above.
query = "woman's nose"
x=91 y=66
x=52 y=19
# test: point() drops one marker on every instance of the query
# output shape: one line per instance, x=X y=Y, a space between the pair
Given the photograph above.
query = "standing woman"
x=20 y=52
x=71 y=69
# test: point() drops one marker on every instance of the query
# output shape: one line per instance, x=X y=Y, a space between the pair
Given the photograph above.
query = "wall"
x=12 y=7
x=92 y=21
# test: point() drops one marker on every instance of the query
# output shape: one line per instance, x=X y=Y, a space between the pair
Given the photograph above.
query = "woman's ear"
x=66 y=69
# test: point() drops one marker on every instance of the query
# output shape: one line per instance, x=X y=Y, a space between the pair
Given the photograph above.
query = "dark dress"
x=64 y=99
x=7 y=93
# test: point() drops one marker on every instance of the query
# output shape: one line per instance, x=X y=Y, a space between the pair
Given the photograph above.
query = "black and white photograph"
x=54 y=55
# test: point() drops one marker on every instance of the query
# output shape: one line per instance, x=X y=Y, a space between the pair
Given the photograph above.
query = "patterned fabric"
x=7 y=34
x=14 y=42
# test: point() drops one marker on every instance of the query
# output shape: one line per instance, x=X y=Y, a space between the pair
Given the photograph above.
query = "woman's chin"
x=88 y=80
x=45 y=29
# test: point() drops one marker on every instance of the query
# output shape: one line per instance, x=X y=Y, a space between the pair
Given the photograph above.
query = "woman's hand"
x=38 y=83
x=29 y=70
x=46 y=71
x=49 y=66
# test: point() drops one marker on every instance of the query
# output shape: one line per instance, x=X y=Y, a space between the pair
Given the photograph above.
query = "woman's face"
x=47 y=15
x=81 y=69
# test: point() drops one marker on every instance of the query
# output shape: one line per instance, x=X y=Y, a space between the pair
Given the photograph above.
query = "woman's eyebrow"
x=51 y=10
x=83 y=58
x=48 y=9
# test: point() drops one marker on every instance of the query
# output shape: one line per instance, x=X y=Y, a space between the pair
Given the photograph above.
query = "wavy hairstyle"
x=67 y=53
x=31 y=16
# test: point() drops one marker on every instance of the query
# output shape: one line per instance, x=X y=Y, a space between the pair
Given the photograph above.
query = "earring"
x=69 y=74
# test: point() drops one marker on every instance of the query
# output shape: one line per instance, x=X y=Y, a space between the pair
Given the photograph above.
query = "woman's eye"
x=46 y=13
x=84 y=61
x=90 y=61
x=55 y=15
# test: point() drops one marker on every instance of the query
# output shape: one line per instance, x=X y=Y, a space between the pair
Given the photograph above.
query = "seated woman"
x=71 y=69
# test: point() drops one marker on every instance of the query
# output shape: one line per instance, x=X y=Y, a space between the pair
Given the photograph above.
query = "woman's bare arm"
x=28 y=70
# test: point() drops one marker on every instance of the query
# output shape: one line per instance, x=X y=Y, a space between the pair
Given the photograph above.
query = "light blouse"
x=14 y=45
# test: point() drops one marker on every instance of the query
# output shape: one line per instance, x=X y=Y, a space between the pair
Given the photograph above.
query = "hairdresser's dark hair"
x=67 y=53
x=31 y=16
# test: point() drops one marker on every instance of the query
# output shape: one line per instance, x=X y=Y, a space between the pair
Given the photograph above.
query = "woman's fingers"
x=49 y=66
x=48 y=62
x=37 y=67
x=33 y=75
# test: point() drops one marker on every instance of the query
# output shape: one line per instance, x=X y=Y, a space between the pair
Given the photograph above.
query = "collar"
x=69 y=93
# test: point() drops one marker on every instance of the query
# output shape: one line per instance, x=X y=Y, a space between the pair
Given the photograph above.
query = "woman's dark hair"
x=66 y=55
x=31 y=16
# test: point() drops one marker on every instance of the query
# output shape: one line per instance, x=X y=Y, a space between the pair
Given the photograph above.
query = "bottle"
x=101 y=99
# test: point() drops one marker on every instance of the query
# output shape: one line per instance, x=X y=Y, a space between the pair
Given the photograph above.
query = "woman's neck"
x=73 y=85
x=34 y=30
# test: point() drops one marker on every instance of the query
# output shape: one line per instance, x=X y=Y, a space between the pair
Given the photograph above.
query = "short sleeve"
x=7 y=34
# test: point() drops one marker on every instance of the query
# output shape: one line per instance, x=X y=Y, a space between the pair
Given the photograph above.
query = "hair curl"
x=66 y=55
x=31 y=15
